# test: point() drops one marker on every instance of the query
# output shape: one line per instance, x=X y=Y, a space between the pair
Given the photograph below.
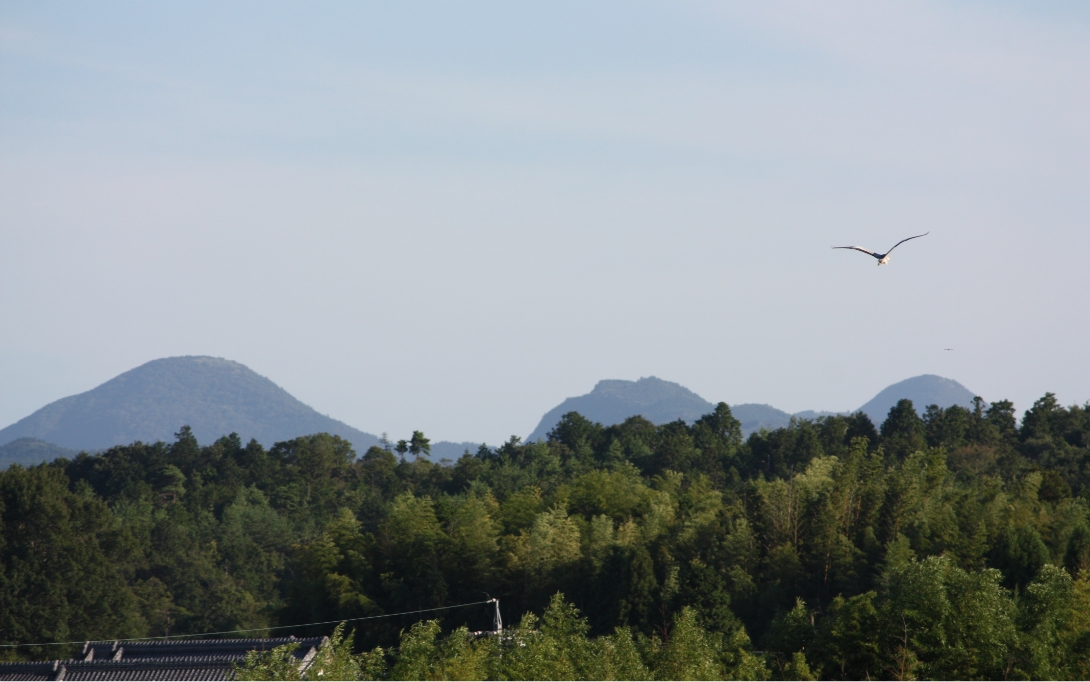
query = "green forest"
x=955 y=545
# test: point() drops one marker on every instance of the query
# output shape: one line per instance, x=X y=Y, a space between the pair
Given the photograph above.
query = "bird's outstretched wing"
x=905 y=240
x=859 y=248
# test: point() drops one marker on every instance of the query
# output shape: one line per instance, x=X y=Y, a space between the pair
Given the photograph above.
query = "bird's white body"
x=883 y=258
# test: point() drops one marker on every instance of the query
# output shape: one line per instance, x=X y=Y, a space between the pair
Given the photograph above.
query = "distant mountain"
x=216 y=397
x=924 y=390
x=814 y=414
x=614 y=400
x=213 y=396
x=755 y=417
x=445 y=449
x=28 y=451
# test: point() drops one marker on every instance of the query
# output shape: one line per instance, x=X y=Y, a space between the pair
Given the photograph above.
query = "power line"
x=276 y=627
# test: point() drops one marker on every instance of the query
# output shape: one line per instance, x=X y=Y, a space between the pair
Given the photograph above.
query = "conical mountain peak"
x=214 y=396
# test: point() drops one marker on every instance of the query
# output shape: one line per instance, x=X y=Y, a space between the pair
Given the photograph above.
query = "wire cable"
x=275 y=627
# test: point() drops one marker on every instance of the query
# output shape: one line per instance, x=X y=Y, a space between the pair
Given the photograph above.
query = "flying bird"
x=883 y=258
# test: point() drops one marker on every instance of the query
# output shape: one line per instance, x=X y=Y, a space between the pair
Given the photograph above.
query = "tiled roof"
x=171 y=668
x=203 y=659
x=40 y=670
x=197 y=647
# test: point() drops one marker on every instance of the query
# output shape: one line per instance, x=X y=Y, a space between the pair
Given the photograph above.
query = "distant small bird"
x=883 y=258
x=948 y=349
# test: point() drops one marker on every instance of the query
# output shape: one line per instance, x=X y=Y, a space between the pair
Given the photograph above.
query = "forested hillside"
x=956 y=545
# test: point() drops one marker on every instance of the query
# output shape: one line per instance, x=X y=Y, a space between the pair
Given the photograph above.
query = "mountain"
x=814 y=414
x=445 y=449
x=28 y=451
x=614 y=400
x=213 y=396
x=924 y=390
x=755 y=417
x=216 y=397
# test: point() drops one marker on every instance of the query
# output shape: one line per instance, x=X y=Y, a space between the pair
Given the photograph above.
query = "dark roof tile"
x=37 y=670
x=180 y=659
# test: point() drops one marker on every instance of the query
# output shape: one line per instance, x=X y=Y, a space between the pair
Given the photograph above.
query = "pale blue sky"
x=452 y=216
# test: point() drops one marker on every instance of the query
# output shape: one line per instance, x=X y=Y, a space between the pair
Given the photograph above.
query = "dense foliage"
x=956 y=545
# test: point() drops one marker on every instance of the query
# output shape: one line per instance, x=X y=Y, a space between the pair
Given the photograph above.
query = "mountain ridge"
x=216 y=397
x=611 y=401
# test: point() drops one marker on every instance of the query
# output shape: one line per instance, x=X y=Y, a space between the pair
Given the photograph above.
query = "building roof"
x=238 y=648
x=201 y=659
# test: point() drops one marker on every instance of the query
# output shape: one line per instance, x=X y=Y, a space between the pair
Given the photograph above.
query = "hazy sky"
x=452 y=216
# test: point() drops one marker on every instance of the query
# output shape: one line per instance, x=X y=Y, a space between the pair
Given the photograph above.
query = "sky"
x=452 y=216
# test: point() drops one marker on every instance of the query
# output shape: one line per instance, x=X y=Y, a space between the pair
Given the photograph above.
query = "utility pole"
x=497 y=621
